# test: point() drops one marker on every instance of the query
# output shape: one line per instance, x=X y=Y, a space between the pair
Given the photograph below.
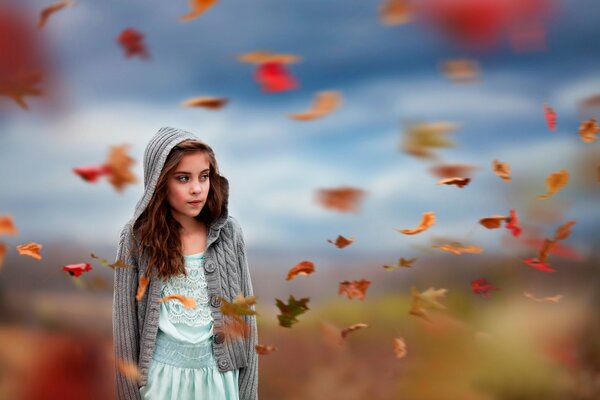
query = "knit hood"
x=155 y=156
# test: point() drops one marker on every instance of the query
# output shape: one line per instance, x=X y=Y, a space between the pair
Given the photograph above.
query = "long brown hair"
x=157 y=231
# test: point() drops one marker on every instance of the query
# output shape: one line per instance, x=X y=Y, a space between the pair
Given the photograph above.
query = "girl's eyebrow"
x=189 y=173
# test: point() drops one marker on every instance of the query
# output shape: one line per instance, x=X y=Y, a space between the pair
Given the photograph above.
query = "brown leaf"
x=420 y=302
x=117 y=264
x=341 y=241
x=588 y=130
x=21 y=84
x=493 y=222
x=6 y=226
x=452 y=170
x=235 y=328
x=30 y=249
x=356 y=288
x=197 y=7
x=344 y=199
x=402 y=263
x=212 y=103
x=399 y=346
x=51 y=9
x=2 y=254
x=396 y=12
x=458 y=248
x=352 y=328
x=460 y=182
x=263 y=56
x=427 y=220
x=239 y=307
x=324 y=103
x=264 y=350
x=555 y=182
x=461 y=71
x=119 y=164
x=142 y=285
x=420 y=138
x=130 y=370
x=553 y=299
x=302 y=268
x=564 y=231
x=502 y=169
x=188 y=302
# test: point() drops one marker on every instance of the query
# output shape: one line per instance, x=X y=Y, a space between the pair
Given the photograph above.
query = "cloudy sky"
x=387 y=75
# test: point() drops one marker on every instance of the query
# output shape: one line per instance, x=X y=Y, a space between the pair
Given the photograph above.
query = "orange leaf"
x=396 y=12
x=263 y=56
x=188 y=302
x=402 y=262
x=6 y=225
x=553 y=299
x=21 y=84
x=452 y=170
x=502 y=169
x=30 y=249
x=461 y=71
x=564 y=231
x=213 y=103
x=341 y=241
x=323 y=104
x=303 y=268
x=588 y=130
x=352 y=328
x=399 y=346
x=197 y=7
x=264 y=350
x=355 y=288
x=457 y=248
x=142 y=285
x=344 y=199
x=460 y=182
x=493 y=222
x=427 y=220
x=234 y=328
x=2 y=254
x=555 y=182
x=130 y=370
x=119 y=164
x=51 y=9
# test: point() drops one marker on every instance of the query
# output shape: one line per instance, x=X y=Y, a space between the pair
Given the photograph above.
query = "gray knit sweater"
x=135 y=323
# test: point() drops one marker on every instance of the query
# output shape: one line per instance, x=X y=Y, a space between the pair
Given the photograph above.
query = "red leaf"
x=482 y=287
x=91 y=174
x=274 y=77
x=77 y=269
x=513 y=224
x=132 y=42
x=537 y=264
x=550 y=117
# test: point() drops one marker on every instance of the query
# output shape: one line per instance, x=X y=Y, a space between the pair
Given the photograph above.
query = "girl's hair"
x=157 y=231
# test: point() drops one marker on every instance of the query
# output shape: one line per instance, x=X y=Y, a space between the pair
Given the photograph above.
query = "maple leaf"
x=325 y=103
x=341 y=241
x=132 y=42
x=513 y=224
x=21 y=84
x=198 y=7
x=275 y=77
x=502 y=170
x=427 y=221
x=234 y=328
x=550 y=115
x=460 y=182
x=588 y=130
x=188 y=302
x=482 y=287
x=291 y=310
x=239 y=306
x=555 y=182
x=356 y=288
x=396 y=12
x=30 y=249
x=420 y=138
x=77 y=269
x=420 y=302
x=302 y=268
x=402 y=263
x=343 y=199
x=119 y=164
x=51 y=9
x=213 y=103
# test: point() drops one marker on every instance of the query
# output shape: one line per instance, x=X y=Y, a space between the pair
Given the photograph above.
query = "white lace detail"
x=193 y=285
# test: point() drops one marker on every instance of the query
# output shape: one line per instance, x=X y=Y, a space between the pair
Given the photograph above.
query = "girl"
x=183 y=240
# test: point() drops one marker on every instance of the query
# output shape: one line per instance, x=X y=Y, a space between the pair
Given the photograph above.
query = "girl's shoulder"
x=234 y=225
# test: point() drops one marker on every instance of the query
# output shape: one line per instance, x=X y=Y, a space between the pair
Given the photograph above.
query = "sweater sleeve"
x=125 y=324
x=248 y=376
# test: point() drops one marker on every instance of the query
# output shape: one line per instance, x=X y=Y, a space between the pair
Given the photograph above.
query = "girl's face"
x=188 y=186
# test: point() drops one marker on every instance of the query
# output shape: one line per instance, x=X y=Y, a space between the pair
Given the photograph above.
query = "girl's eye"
x=181 y=177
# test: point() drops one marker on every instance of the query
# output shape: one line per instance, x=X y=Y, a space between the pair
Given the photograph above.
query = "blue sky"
x=387 y=74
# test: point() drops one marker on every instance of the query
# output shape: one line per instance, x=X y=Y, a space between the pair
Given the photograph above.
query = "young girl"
x=182 y=239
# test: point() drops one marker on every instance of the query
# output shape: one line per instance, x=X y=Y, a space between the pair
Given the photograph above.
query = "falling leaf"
x=323 y=104
x=588 y=130
x=290 y=311
x=402 y=263
x=117 y=264
x=6 y=226
x=396 y=12
x=264 y=350
x=51 y=9
x=461 y=71
x=352 y=328
x=92 y=173
x=482 y=287
x=212 y=103
x=2 y=254
x=552 y=299
x=564 y=231
x=555 y=182
x=513 y=224
x=356 y=288
x=130 y=370
x=239 y=307
x=21 y=84
x=452 y=170
x=493 y=222
x=197 y=7
x=537 y=264
x=502 y=169
x=188 y=302
x=132 y=42
x=458 y=248
x=399 y=346
x=261 y=57
x=550 y=117
x=119 y=164
x=77 y=269
x=460 y=182
x=555 y=248
x=420 y=302
x=420 y=138
x=341 y=241
x=427 y=221
x=234 y=328
x=302 y=268
x=142 y=285
x=30 y=249
x=344 y=199
x=275 y=77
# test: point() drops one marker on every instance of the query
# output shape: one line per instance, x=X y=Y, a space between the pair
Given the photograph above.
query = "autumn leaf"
x=197 y=7
x=513 y=224
x=2 y=254
x=188 y=302
x=356 y=288
x=51 y=9
x=77 y=269
x=6 y=226
x=234 y=328
x=142 y=286
x=552 y=299
x=493 y=222
x=555 y=182
x=352 y=328
x=396 y=12
x=302 y=268
x=550 y=115
x=588 y=130
x=458 y=248
x=104 y=262
x=399 y=347
x=540 y=265
x=460 y=182
x=420 y=138
x=482 y=287
x=461 y=70
x=275 y=77
x=324 y=103
x=263 y=56
x=130 y=370
x=21 y=84
x=341 y=241
x=30 y=249
x=290 y=311
x=92 y=173
x=564 y=231
x=452 y=170
x=239 y=306
x=119 y=164
x=420 y=302
x=502 y=170
x=555 y=248
x=264 y=350
x=402 y=263
x=427 y=221
x=132 y=42
x=212 y=103
x=343 y=199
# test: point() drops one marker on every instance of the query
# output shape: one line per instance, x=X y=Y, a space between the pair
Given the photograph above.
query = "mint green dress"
x=183 y=366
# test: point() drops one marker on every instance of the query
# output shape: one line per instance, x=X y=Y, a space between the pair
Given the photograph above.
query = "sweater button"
x=218 y=338
x=223 y=363
x=215 y=301
x=209 y=267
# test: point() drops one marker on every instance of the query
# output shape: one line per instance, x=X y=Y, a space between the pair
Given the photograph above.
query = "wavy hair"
x=158 y=232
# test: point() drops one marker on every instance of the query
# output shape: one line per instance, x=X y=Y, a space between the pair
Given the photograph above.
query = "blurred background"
x=415 y=91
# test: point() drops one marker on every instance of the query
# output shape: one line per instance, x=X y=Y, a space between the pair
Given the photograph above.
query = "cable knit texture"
x=135 y=323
